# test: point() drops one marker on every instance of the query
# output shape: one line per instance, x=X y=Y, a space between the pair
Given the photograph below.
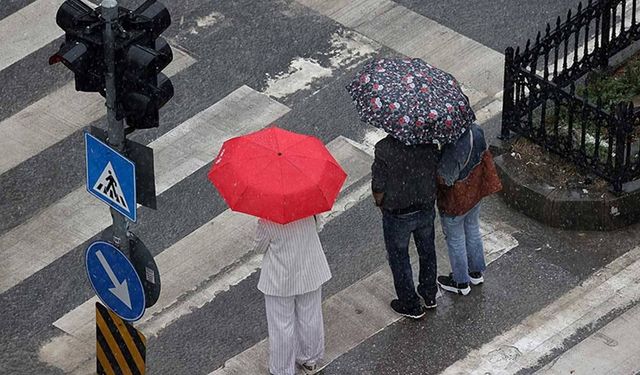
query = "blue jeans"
x=397 y=233
x=464 y=241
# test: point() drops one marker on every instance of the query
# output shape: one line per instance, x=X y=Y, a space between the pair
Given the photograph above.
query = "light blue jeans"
x=466 y=253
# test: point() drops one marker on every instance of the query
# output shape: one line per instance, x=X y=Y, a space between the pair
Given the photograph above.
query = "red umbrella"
x=277 y=175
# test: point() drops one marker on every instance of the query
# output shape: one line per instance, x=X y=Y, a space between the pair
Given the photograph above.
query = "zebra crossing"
x=232 y=235
x=217 y=257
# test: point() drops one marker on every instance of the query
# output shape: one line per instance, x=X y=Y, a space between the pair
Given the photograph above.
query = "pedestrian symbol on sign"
x=109 y=187
x=111 y=177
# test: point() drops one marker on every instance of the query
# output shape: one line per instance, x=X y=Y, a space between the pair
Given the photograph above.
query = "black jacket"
x=405 y=174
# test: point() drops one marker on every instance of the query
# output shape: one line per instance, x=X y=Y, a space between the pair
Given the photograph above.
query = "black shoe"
x=311 y=369
x=429 y=302
x=413 y=312
x=476 y=278
x=447 y=283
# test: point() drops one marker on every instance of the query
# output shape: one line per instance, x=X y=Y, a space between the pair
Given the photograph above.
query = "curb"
x=565 y=208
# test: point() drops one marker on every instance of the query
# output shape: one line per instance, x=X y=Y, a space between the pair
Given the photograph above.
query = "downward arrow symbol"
x=120 y=289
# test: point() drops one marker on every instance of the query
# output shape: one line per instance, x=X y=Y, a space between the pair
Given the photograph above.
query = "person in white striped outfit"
x=294 y=268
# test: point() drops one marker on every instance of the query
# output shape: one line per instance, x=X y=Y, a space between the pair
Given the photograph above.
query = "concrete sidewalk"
x=613 y=349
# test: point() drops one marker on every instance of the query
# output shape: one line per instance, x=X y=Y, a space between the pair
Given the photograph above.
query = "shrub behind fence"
x=540 y=100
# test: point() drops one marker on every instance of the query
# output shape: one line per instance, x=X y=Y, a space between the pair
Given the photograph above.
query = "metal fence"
x=540 y=99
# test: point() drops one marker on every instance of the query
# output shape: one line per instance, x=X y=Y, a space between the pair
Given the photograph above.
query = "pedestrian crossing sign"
x=110 y=176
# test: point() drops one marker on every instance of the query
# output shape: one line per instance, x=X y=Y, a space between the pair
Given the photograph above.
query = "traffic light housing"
x=142 y=88
x=140 y=56
x=82 y=51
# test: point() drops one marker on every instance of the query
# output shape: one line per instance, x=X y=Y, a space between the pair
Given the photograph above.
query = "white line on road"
x=28 y=30
x=46 y=237
x=614 y=287
x=478 y=67
x=57 y=116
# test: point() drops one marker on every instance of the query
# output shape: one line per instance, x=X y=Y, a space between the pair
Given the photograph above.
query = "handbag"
x=483 y=180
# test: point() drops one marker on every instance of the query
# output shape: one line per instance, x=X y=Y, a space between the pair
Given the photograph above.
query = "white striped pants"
x=296 y=331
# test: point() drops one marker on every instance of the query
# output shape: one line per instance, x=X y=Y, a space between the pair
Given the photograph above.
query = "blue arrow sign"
x=114 y=280
x=111 y=177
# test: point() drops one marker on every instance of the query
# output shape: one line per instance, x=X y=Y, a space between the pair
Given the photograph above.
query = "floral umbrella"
x=412 y=100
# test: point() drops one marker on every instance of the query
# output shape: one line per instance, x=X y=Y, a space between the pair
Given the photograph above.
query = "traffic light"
x=82 y=51
x=140 y=56
x=142 y=88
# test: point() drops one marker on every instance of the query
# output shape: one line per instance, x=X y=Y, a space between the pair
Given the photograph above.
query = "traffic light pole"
x=115 y=130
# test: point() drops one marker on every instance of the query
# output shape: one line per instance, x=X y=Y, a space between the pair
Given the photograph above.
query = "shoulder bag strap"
x=470 y=148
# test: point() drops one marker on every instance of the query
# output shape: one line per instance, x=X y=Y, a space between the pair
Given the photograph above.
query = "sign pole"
x=115 y=132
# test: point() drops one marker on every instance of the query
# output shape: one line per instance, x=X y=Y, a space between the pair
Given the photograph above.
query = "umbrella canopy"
x=277 y=175
x=411 y=100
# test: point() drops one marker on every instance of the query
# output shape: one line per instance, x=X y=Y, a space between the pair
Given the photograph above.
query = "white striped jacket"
x=294 y=262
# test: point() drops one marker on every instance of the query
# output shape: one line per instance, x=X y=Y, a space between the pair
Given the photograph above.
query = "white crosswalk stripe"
x=28 y=30
x=388 y=23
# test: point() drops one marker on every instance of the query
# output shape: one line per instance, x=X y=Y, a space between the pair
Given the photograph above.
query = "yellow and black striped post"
x=120 y=348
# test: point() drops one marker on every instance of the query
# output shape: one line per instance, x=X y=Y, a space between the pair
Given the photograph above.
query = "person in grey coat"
x=294 y=268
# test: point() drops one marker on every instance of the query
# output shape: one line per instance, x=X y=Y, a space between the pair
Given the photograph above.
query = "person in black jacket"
x=404 y=187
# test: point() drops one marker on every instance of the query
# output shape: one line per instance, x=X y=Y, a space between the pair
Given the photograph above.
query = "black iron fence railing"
x=540 y=100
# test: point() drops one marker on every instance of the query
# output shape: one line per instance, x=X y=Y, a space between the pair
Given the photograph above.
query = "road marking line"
x=32 y=245
x=414 y=35
x=57 y=116
x=28 y=30
x=195 y=269
x=614 y=287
